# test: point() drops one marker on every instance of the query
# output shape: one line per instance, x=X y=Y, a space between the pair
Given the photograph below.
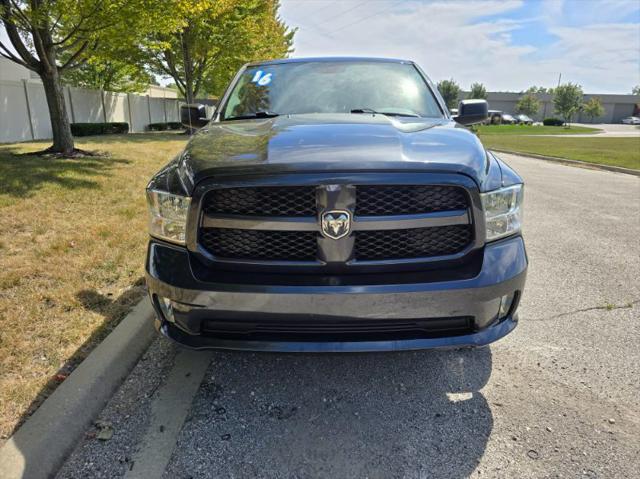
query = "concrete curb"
x=43 y=442
x=566 y=161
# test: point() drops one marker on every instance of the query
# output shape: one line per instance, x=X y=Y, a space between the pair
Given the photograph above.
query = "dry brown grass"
x=72 y=248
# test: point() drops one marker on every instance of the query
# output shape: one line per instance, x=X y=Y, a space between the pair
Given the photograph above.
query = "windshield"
x=331 y=87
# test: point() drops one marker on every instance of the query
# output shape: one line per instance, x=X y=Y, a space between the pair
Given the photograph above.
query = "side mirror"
x=472 y=111
x=193 y=116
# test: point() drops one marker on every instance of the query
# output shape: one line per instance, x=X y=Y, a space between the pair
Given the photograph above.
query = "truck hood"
x=322 y=142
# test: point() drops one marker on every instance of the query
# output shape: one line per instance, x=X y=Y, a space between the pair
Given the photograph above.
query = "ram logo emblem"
x=336 y=224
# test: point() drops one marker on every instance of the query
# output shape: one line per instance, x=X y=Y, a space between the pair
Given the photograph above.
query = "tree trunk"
x=188 y=66
x=188 y=77
x=189 y=96
x=62 y=137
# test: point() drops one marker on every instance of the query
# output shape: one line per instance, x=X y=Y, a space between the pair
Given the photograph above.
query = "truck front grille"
x=295 y=201
x=412 y=243
x=337 y=330
x=384 y=200
x=282 y=223
x=260 y=245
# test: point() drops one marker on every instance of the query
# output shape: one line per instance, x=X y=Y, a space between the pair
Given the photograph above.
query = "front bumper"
x=194 y=302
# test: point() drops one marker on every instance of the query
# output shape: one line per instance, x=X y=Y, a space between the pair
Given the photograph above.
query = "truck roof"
x=329 y=59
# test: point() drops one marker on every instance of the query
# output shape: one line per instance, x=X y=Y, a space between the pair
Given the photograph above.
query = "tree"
x=528 y=104
x=478 y=91
x=213 y=38
x=538 y=89
x=593 y=108
x=51 y=38
x=636 y=90
x=450 y=92
x=567 y=100
x=115 y=64
x=111 y=74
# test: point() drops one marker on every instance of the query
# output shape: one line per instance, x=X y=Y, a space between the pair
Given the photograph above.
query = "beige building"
x=616 y=107
x=160 y=92
x=11 y=71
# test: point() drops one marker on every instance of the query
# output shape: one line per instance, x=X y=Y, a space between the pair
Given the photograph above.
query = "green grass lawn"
x=623 y=152
x=72 y=247
x=483 y=130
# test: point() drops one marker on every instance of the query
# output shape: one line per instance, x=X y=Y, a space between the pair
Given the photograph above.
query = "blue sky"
x=508 y=45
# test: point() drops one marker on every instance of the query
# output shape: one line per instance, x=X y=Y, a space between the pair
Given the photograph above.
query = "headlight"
x=503 y=211
x=168 y=215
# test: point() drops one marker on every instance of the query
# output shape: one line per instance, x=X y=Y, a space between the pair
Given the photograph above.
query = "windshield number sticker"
x=261 y=78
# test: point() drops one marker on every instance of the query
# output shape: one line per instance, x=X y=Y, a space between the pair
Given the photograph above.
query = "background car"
x=494 y=117
x=524 y=120
x=631 y=120
x=508 y=119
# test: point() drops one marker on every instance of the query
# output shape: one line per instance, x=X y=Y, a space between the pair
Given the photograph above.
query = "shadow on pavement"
x=415 y=414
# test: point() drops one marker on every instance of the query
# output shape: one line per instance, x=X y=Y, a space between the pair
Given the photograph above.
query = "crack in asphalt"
x=606 y=307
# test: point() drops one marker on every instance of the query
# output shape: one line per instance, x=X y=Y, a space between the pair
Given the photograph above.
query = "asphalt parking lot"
x=559 y=397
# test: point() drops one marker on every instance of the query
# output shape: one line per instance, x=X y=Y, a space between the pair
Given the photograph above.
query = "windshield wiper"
x=257 y=114
x=387 y=113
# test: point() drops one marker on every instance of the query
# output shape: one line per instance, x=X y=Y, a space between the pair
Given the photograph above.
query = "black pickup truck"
x=334 y=204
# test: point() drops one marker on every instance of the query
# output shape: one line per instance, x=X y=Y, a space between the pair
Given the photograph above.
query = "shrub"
x=116 y=128
x=552 y=122
x=157 y=126
x=172 y=125
x=87 y=129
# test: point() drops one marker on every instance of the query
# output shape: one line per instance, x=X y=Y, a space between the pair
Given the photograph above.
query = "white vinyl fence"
x=24 y=114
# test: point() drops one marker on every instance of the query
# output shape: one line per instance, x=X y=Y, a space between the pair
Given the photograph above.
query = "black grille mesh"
x=378 y=200
x=262 y=201
x=412 y=243
x=344 y=329
x=300 y=201
x=260 y=245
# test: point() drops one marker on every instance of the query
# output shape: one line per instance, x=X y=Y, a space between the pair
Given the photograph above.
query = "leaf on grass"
x=105 y=430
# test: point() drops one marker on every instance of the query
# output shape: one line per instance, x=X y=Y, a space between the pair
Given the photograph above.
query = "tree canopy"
x=51 y=38
x=119 y=44
x=593 y=108
x=528 y=104
x=478 y=91
x=538 y=89
x=450 y=92
x=210 y=39
x=567 y=100
x=110 y=74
